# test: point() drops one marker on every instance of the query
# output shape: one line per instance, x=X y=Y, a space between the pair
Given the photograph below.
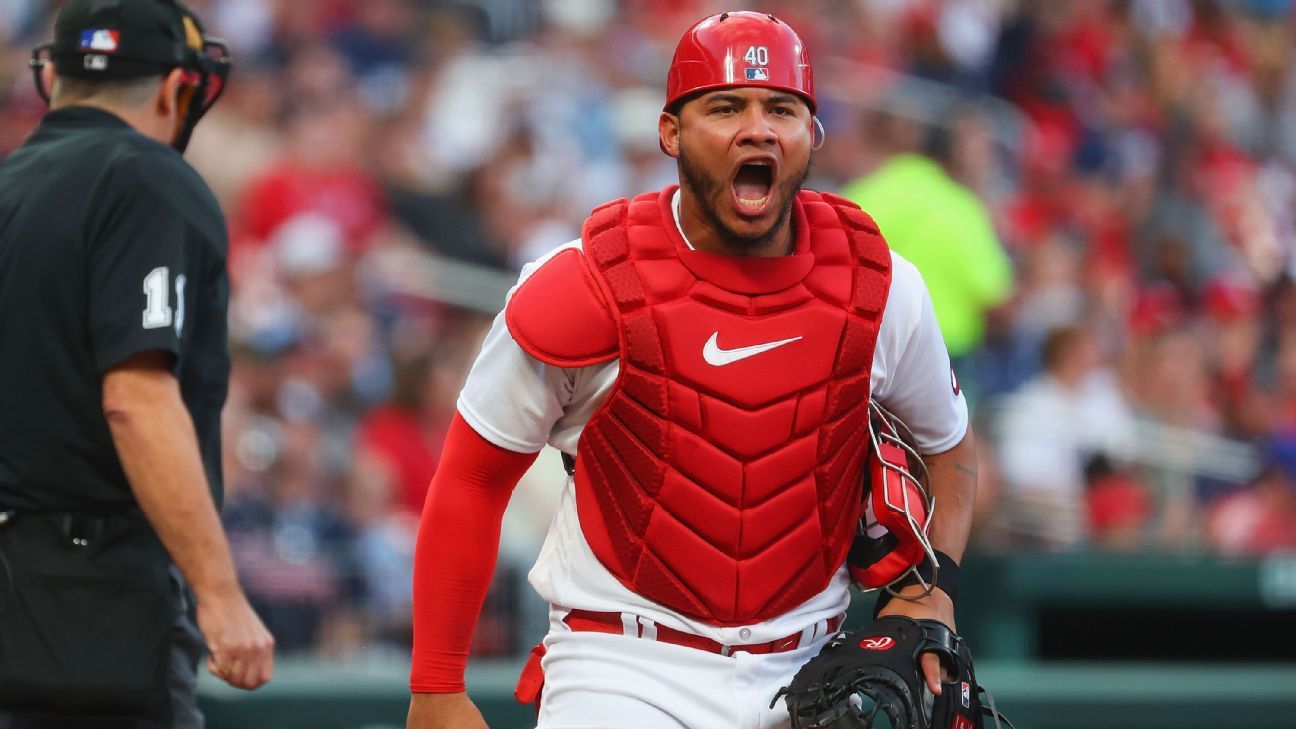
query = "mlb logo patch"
x=100 y=41
x=758 y=74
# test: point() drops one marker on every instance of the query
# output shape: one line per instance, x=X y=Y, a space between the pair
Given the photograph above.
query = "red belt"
x=635 y=626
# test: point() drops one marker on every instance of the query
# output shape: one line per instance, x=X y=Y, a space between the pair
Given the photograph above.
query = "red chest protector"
x=722 y=476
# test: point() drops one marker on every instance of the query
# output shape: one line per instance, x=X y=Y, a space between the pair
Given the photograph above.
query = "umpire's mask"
x=120 y=39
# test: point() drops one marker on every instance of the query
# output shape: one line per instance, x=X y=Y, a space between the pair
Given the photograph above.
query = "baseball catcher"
x=705 y=357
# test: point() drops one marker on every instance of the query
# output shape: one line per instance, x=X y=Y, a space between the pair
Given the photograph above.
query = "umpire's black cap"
x=109 y=39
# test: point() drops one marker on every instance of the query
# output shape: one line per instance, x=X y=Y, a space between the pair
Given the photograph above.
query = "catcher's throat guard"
x=892 y=539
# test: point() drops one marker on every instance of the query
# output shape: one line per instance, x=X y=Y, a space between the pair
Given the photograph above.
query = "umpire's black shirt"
x=110 y=245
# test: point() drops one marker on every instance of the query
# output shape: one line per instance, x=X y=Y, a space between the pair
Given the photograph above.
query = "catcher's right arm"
x=864 y=674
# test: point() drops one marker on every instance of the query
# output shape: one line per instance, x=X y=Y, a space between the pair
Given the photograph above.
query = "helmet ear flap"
x=892 y=539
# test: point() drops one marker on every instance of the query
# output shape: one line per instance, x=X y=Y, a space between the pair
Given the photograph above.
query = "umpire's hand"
x=241 y=650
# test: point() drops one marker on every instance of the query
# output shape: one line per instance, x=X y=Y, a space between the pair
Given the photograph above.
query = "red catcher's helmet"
x=740 y=48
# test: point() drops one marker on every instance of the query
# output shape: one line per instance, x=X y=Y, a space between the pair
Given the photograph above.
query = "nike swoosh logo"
x=717 y=357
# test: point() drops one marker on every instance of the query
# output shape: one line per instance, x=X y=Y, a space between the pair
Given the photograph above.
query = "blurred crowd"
x=1101 y=195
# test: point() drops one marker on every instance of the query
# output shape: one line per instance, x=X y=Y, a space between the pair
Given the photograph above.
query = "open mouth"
x=752 y=184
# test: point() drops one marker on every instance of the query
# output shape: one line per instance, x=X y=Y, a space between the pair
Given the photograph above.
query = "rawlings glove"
x=864 y=679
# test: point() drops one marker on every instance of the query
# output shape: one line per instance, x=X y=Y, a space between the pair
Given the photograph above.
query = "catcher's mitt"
x=873 y=678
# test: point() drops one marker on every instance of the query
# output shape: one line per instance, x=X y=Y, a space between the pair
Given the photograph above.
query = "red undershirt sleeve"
x=458 y=543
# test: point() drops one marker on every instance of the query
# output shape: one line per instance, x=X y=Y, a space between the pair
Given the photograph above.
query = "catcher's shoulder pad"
x=558 y=314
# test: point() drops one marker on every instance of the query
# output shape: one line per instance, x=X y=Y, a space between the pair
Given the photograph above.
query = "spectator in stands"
x=380 y=49
x=1118 y=506
x=323 y=174
x=292 y=547
x=404 y=435
x=1168 y=379
x=1260 y=518
x=384 y=553
x=1233 y=332
x=1048 y=432
x=939 y=225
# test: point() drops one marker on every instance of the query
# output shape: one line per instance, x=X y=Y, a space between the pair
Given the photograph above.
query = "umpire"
x=114 y=365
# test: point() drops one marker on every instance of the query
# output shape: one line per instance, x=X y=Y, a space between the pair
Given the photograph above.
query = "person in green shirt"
x=945 y=230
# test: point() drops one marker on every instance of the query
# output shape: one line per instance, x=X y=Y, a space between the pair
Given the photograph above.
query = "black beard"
x=705 y=189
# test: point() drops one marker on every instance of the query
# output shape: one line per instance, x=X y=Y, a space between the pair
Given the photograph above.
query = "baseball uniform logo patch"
x=967 y=695
x=962 y=722
x=758 y=74
x=885 y=643
x=717 y=357
x=101 y=41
